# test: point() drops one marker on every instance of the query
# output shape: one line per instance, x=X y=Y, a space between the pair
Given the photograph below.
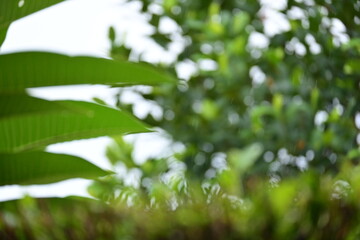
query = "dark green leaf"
x=11 y=10
x=112 y=34
x=3 y=33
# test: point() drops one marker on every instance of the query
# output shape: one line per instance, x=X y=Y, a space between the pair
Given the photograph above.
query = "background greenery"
x=271 y=141
x=272 y=94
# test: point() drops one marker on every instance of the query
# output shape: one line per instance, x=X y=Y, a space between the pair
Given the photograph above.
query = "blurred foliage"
x=310 y=206
x=267 y=120
x=286 y=77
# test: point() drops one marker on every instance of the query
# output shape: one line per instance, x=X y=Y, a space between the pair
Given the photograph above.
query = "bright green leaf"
x=86 y=120
x=282 y=197
x=278 y=102
x=38 y=69
x=209 y=109
x=21 y=104
x=42 y=167
x=243 y=159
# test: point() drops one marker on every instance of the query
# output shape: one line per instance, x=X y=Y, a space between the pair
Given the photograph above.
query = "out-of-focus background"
x=254 y=107
x=84 y=31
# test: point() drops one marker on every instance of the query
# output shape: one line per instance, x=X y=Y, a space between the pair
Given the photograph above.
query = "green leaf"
x=83 y=120
x=11 y=10
x=243 y=159
x=21 y=104
x=352 y=66
x=209 y=109
x=112 y=34
x=120 y=151
x=282 y=197
x=3 y=33
x=42 y=167
x=37 y=69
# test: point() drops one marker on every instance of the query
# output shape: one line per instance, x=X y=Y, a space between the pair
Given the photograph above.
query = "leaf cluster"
x=29 y=124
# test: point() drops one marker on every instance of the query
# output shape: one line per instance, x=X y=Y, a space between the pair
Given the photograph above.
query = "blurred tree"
x=284 y=76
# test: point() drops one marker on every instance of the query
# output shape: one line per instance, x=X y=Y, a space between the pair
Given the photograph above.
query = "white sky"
x=79 y=27
x=76 y=27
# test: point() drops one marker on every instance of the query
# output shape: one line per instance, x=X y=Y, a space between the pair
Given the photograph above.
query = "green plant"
x=259 y=162
x=28 y=124
x=309 y=206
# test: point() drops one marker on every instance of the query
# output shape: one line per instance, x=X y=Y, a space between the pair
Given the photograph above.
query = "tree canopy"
x=285 y=76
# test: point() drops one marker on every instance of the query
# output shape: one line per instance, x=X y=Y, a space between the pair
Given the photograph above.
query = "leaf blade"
x=43 y=167
x=21 y=104
x=37 y=69
x=87 y=120
x=11 y=10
